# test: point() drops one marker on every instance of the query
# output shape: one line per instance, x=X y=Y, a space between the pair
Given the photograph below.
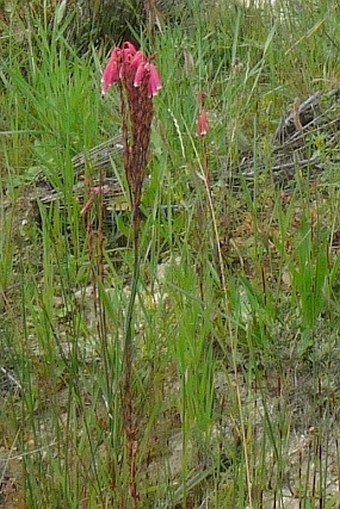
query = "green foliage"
x=226 y=377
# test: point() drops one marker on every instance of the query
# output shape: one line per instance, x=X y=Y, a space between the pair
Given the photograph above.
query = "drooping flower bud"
x=111 y=72
x=155 y=84
x=202 y=125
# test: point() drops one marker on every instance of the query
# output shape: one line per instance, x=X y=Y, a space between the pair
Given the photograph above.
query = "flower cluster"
x=138 y=81
x=126 y=63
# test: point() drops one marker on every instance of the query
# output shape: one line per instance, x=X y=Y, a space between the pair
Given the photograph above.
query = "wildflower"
x=154 y=84
x=128 y=64
x=139 y=82
x=140 y=73
x=138 y=59
x=202 y=125
x=111 y=73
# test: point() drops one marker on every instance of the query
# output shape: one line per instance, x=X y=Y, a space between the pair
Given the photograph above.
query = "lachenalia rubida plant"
x=138 y=83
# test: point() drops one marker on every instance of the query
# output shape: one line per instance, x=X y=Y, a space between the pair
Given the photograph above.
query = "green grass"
x=236 y=328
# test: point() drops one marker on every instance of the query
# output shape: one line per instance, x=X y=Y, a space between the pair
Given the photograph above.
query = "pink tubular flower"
x=138 y=59
x=142 y=69
x=154 y=84
x=202 y=126
x=111 y=72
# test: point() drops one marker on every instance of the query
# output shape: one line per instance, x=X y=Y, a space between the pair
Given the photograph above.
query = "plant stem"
x=133 y=294
x=128 y=405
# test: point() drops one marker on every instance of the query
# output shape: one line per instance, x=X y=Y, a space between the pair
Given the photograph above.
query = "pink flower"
x=202 y=126
x=111 y=72
x=142 y=70
x=138 y=59
x=139 y=65
x=128 y=52
x=155 y=84
x=128 y=48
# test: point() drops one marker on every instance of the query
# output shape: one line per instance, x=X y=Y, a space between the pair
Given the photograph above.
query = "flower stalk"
x=138 y=83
